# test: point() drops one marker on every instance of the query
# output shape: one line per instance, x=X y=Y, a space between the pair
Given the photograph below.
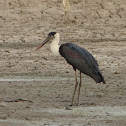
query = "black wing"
x=82 y=60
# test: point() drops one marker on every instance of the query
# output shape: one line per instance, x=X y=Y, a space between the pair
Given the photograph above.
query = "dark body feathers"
x=82 y=60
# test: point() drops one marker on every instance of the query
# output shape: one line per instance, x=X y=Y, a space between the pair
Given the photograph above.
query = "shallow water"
x=31 y=78
x=90 y=111
x=102 y=113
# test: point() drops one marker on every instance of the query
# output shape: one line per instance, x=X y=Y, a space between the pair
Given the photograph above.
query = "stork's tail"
x=98 y=78
x=101 y=79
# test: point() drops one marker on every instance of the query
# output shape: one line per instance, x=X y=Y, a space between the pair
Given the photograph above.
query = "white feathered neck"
x=55 y=44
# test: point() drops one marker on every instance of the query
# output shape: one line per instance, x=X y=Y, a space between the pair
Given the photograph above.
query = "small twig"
x=98 y=14
x=18 y=100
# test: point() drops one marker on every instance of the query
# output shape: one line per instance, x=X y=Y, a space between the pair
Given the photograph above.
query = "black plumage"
x=82 y=60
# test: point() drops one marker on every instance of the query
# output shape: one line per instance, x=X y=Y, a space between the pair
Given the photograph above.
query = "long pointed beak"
x=43 y=43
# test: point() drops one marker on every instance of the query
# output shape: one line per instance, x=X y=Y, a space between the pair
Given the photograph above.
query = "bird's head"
x=50 y=36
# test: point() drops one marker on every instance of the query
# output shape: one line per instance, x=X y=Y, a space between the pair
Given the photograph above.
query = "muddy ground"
x=47 y=81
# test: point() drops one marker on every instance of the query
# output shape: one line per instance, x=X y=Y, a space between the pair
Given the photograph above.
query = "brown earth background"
x=99 y=26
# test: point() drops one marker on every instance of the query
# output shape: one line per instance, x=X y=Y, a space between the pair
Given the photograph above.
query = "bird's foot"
x=75 y=104
x=71 y=104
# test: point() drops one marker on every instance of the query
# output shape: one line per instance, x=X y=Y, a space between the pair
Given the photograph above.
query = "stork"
x=78 y=57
